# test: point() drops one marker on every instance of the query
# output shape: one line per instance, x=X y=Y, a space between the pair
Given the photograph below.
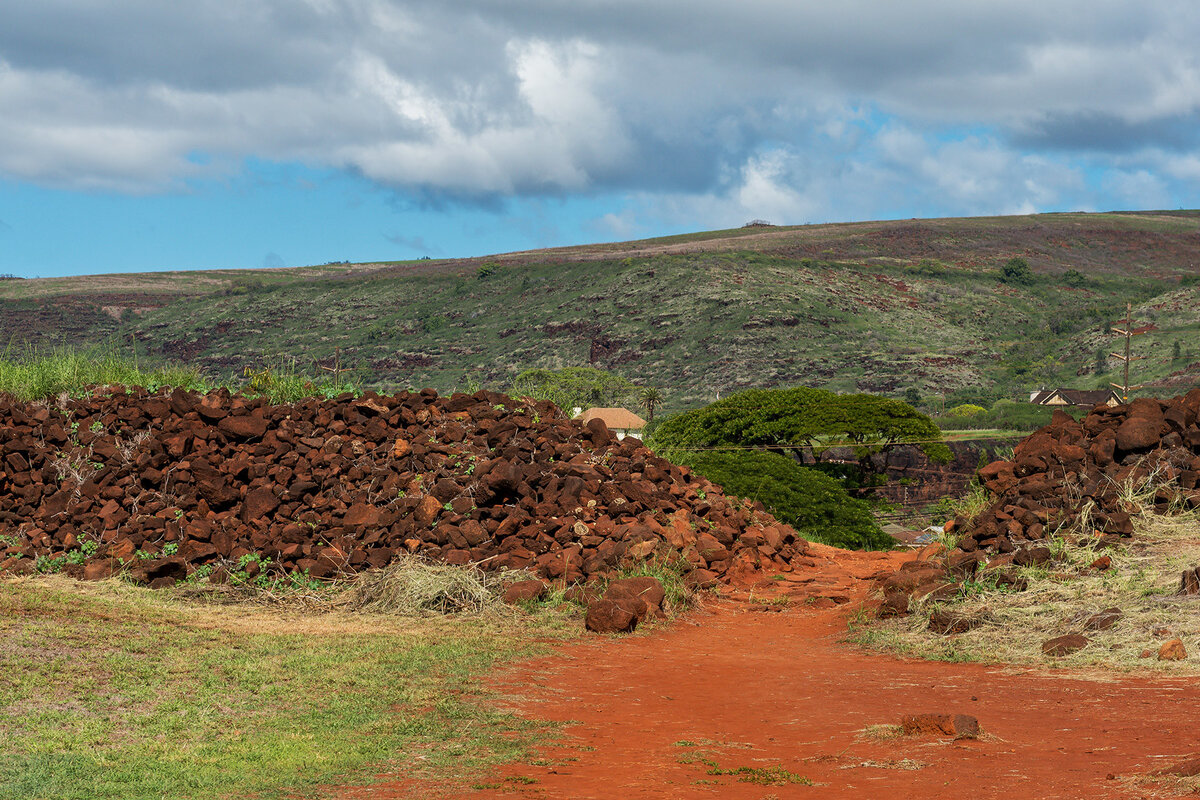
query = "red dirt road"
x=756 y=689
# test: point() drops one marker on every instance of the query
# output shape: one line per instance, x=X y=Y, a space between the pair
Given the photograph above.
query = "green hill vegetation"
x=935 y=308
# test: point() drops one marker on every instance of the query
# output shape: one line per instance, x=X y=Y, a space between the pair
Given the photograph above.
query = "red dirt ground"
x=754 y=688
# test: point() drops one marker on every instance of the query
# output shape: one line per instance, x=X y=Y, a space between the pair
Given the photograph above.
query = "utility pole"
x=336 y=369
x=1128 y=333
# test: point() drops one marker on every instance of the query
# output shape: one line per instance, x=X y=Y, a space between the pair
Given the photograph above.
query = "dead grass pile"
x=413 y=586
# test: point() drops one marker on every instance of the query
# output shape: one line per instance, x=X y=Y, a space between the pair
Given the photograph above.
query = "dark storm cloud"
x=1106 y=132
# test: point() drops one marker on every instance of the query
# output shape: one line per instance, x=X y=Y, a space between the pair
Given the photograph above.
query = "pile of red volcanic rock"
x=1067 y=476
x=165 y=484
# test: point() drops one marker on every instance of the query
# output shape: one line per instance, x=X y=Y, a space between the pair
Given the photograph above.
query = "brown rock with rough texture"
x=1172 y=650
x=610 y=616
x=1138 y=433
x=949 y=623
x=962 y=726
x=524 y=591
x=243 y=427
x=1064 y=645
x=97 y=571
x=646 y=589
x=581 y=595
x=1103 y=620
x=427 y=510
x=258 y=504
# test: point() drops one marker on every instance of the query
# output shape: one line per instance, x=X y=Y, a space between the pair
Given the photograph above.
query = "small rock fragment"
x=1172 y=650
x=1103 y=620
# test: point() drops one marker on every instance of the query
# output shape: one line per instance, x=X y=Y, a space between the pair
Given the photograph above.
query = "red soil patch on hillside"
x=782 y=690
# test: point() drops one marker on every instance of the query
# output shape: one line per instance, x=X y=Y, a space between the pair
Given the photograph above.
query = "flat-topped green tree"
x=752 y=444
x=804 y=421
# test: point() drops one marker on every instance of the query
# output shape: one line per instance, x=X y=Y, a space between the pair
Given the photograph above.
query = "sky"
x=142 y=135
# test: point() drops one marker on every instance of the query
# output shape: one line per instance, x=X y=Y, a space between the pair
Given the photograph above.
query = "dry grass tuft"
x=877 y=733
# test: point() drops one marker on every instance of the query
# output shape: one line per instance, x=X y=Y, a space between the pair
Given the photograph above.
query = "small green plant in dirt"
x=249 y=570
x=762 y=776
x=48 y=565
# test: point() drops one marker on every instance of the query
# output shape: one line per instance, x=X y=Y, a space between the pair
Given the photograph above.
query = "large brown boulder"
x=611 y=616
x=1138 y=433
x=645 y=589
x=524 y=591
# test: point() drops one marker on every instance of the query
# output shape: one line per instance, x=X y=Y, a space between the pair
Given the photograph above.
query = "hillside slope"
x=879 y=307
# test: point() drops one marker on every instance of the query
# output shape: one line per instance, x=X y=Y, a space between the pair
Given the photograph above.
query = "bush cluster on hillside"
x=1007 y=415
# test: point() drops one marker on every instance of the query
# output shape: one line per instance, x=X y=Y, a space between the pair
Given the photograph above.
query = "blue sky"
x=139 y=135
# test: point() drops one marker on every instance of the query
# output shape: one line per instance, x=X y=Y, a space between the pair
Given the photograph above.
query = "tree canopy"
x=802 y=418
x=721 y=441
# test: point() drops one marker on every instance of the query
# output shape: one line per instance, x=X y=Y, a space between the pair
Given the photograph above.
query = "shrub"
x=814 y=504
x=966 y=410
x=930 y=268
x=1074 y=278
x=1016 y=271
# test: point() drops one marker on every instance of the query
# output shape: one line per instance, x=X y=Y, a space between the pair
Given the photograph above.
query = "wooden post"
x=336 y=369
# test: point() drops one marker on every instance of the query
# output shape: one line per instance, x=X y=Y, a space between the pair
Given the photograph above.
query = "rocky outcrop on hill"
x=165 y=484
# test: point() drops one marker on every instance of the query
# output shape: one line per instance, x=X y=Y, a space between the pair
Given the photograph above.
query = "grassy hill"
x=880 y=307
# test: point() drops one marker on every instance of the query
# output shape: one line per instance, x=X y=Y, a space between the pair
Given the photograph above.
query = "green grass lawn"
x=111 y=691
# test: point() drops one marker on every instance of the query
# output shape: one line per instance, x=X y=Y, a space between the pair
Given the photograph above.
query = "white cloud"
x=759 y=109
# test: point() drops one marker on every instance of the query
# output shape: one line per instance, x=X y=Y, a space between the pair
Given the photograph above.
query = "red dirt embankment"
x=738 y=685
